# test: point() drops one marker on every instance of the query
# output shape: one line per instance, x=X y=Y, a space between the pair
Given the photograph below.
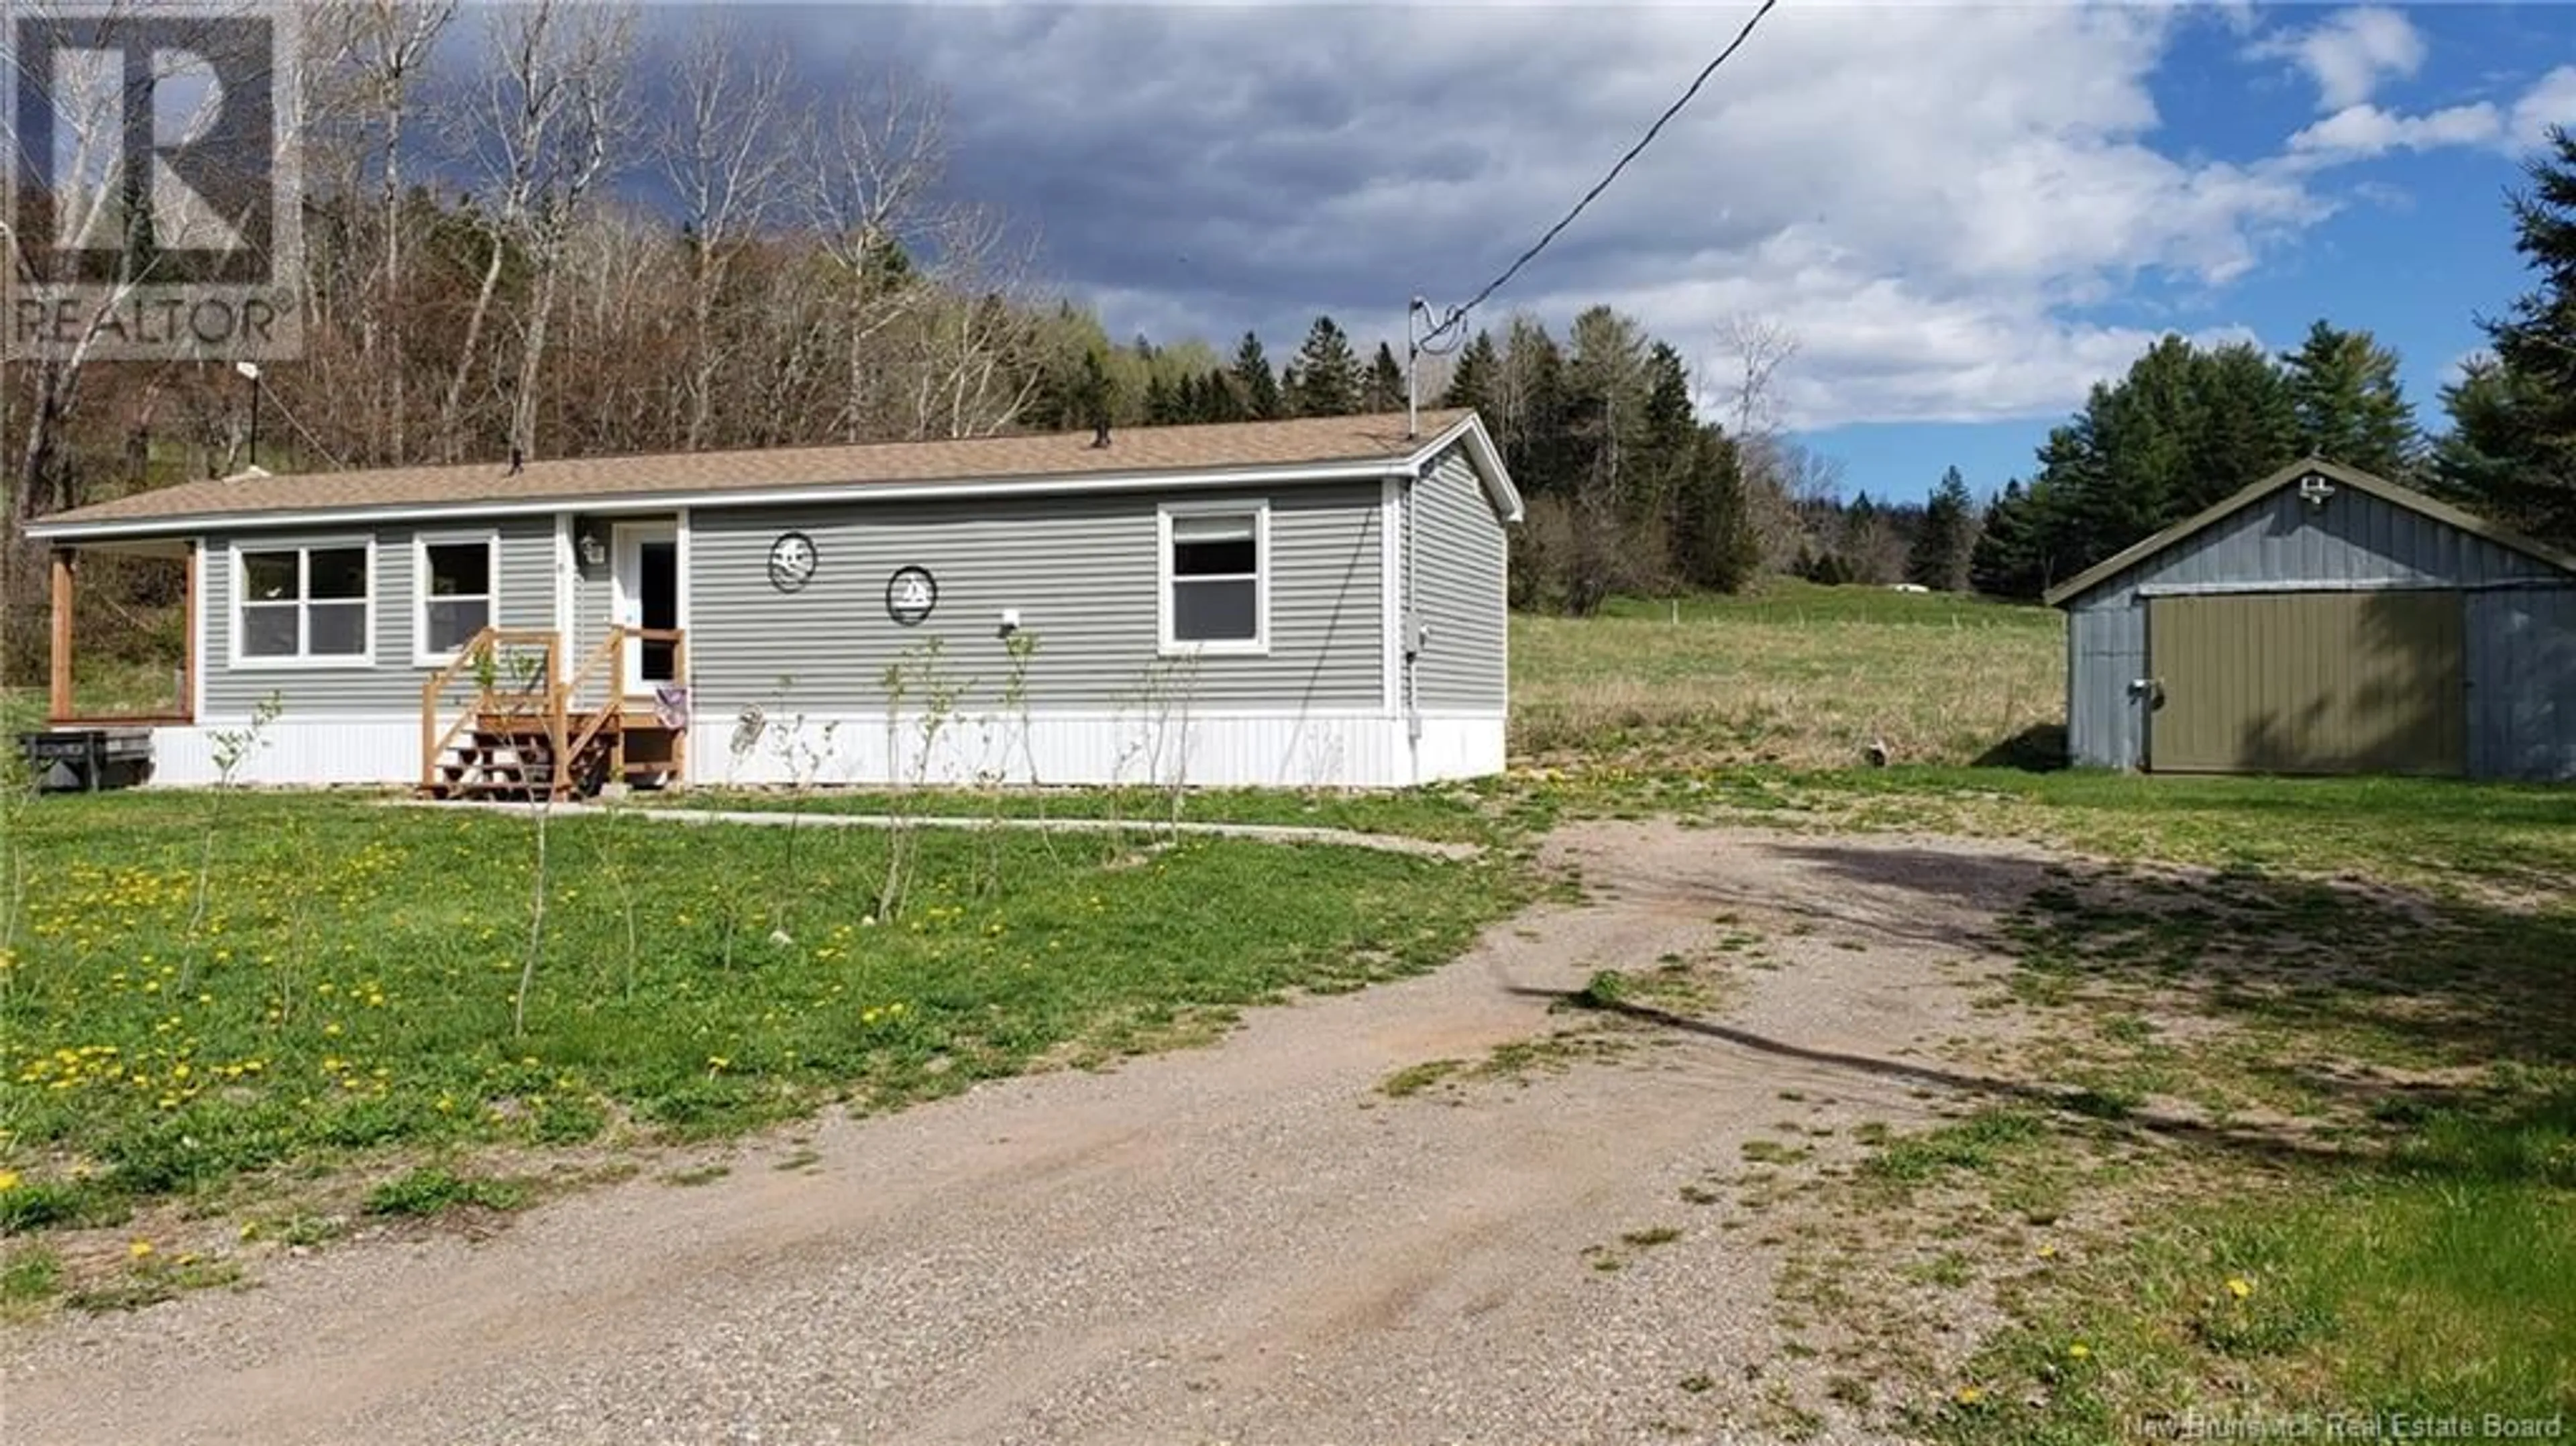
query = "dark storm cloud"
x=1253 y=166
x=1920 y=192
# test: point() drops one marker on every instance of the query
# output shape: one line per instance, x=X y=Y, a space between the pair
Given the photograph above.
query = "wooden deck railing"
x=505 y=683
x=518 y=674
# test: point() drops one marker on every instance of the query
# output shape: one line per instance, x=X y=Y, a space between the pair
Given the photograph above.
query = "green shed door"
x=2311 y=682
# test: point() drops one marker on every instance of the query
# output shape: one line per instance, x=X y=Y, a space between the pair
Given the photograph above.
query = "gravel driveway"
x=1243 y=1243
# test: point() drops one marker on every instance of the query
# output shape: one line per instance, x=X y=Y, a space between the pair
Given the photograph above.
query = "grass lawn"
x=1467 y=813
x=346 y=1000
x=2343 y=1121
x=2324 y=1030
x=1796 y=675
x=2321 y=1039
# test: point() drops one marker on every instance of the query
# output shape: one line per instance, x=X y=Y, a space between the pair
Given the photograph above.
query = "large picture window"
x=1216 y=585
x=456 y=592
x=307 y=603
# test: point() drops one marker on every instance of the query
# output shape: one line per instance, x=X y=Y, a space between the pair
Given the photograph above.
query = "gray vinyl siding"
x=1458 y=550
x=392 y=684
x=594 y=593
x=1083 y=571
x=2521 y=641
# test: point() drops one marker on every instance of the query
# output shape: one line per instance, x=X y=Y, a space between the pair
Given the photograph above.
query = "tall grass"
x=1796 y=675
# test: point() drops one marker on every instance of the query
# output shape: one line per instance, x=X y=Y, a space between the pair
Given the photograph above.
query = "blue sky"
x=1964 y=214
x=2420 y=243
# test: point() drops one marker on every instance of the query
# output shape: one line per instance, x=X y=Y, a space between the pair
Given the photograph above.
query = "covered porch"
x=101 y=712
x=128 y=691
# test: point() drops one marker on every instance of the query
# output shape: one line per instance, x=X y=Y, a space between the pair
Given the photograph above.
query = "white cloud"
x=2551 y=101
x=2362 y=131
x=1926 y=196
x=2350 y=53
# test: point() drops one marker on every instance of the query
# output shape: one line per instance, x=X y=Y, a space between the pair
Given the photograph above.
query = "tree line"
x=2187 y=426
x=527 y=236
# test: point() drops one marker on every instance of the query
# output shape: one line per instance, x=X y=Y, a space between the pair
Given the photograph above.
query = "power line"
x=1458 y=314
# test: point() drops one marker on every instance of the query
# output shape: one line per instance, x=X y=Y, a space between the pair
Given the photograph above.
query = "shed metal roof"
x=1300 y=449
x=2377 y=486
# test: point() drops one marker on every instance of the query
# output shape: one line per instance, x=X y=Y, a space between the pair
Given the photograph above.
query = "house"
x=1308 y=602
x=2325 y=621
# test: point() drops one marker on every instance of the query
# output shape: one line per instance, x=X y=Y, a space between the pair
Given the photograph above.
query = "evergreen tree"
x=1947 y=537
x=1162 y=406
x=1325 y=379
x=1471 y=382
x=1713 y=542
x=1669 y=456
x=2351 y=408
x=2184 y=428
x=1094 y=400
x=1998 y=567
x=1384 y=389
x=1220 y=398
x=2244 y=425
x=2511 y=453
x=1256 y=386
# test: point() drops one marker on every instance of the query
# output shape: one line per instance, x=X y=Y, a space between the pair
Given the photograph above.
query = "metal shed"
x=2325 y=621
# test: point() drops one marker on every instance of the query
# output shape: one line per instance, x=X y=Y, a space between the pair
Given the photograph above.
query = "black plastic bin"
x=66 y=760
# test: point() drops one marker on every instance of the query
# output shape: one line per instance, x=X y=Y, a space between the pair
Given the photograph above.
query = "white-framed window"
x=1215 y=571
x=456 y=592
x=304 y=604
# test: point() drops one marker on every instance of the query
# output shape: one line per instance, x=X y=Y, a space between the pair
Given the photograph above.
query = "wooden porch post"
x=59 y=707
x=680 y=739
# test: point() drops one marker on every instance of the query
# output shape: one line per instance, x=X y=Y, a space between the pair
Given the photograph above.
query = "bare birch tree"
x=869 y=166
x=1774 y=471
x=722 y=150
x=552 y=101
x=391 y=42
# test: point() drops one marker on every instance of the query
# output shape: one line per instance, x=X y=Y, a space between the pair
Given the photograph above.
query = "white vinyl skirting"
x=1233 y=749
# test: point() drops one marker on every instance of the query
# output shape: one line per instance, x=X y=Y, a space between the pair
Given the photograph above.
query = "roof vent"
x=2314 y=489
x=515 y=459
x=1100 y=433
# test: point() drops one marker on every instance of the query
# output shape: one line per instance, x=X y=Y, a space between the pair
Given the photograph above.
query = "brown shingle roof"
x=1219 y=447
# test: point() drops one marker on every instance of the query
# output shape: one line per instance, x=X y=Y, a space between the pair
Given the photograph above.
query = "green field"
x=1797 y=675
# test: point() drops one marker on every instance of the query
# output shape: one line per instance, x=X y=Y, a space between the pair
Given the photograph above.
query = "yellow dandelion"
x=2079 y=1351
x=2239 y=1287
x=717 y=1061
x=8 y=1179
x=139 y=1250
x=2048 y=1252
x=1970 y=1395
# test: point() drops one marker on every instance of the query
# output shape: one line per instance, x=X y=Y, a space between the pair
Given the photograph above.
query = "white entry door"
x=647 y=577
